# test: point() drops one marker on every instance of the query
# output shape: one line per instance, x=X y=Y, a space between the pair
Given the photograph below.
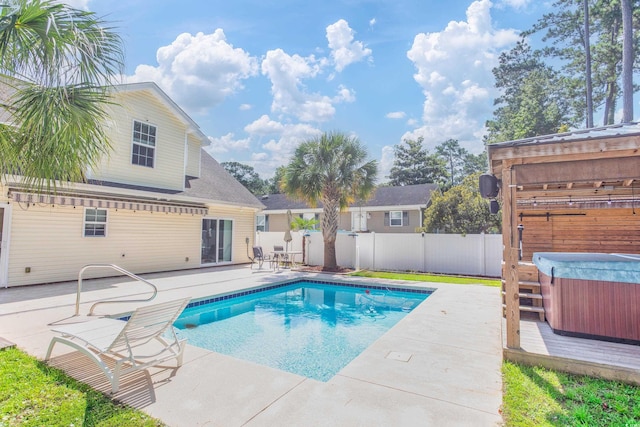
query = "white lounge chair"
x=125 y=341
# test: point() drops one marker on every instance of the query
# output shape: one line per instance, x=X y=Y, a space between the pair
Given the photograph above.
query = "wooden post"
x=510 y=255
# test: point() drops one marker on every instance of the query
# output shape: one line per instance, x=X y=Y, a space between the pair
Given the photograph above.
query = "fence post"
x=373 y=251
x=424 y=253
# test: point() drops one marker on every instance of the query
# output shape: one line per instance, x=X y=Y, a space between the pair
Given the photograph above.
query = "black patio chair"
x=260 y=258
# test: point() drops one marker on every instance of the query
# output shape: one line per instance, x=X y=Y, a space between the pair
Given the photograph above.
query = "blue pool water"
x=307 y=328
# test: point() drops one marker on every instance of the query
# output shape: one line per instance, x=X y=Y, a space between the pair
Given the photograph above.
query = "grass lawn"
x=419 y=277
x=34 y=394
x=535 y=396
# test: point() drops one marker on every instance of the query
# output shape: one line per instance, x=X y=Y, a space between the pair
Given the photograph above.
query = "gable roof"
x=166 y=101
x=407 y=195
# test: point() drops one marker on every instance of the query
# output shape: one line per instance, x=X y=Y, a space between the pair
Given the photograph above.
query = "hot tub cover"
x=589 y=266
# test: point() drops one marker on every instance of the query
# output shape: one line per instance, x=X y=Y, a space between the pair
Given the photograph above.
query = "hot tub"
x=591 y=295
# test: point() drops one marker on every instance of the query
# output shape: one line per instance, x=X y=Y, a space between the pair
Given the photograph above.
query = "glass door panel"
x=224 y=244
x=216 y=241
x=209 y=241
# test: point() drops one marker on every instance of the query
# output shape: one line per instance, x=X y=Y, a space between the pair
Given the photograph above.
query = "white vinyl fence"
x=473 y=254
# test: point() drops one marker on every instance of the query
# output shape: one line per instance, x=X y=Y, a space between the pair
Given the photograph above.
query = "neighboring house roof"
x=407 y=195
x=215 y=184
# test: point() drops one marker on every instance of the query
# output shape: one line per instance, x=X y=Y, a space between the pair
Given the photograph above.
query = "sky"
x=261 y=76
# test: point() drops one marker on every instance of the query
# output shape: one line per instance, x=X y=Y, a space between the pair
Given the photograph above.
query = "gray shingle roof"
x=408 y=195
x=215 y=183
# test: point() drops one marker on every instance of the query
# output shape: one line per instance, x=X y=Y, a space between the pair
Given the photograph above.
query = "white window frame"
x=95 y=222
x=143 y=144
x=391 y=218
x=260 y=223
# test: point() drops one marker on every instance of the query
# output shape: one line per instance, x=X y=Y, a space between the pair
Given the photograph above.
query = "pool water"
x=306 y=328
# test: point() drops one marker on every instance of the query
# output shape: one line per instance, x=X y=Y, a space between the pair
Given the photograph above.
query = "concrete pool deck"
x=440 y=365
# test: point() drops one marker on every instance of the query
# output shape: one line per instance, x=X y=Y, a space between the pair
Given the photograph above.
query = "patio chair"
x=282 y=258
x=149 y=328
x=260 y=258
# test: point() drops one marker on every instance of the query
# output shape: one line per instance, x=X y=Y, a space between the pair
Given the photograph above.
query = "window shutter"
x=405 y=218
x=266 y=223
x=386 y=219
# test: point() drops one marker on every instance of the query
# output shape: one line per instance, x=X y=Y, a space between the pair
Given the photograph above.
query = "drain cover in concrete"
x=400 y=357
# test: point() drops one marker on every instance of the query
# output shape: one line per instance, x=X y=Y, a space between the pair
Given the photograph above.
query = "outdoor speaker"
x=494 y=207
x=488 y=186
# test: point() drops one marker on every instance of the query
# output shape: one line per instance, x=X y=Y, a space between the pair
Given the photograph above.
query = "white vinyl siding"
x=168 y=169
x=193 y=157
x=47 y=239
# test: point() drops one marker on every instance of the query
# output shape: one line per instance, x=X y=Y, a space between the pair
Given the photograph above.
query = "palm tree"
x=331 y=169
x=303 y=225
x=56 y=67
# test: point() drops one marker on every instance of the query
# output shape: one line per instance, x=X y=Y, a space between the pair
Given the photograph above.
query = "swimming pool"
x=309 y=328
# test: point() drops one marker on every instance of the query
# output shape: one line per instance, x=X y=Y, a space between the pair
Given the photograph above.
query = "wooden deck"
x=540 y=346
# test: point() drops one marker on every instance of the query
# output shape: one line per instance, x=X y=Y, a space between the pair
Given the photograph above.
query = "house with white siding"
x=158 y=202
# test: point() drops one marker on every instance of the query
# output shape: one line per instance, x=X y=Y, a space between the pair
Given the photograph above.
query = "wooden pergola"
x=570 y=192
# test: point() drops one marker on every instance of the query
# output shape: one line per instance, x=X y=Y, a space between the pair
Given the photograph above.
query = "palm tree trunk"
x=330 y=212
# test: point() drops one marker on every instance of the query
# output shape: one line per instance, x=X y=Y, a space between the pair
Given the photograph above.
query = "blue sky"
x=260 y=76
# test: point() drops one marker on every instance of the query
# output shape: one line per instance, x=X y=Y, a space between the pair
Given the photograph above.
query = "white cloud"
x=395 y=115
x=292 y=135
x=372 y=22
x=453 y=68
x=287 y=73
x=199 y=71
x=264 y=126
x=226 y=143
x=344 y=50
x=245 y=107
x=278 y=150
x=345 y=95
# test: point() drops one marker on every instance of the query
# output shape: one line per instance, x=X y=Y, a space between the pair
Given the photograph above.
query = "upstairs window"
x=144 y=143
x=95 y=222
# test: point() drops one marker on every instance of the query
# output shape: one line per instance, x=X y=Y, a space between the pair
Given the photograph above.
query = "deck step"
x=526 y=295
x=528 y=308
x=525 y=284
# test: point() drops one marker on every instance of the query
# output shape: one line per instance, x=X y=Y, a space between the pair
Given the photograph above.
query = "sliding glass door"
x=216 y=241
